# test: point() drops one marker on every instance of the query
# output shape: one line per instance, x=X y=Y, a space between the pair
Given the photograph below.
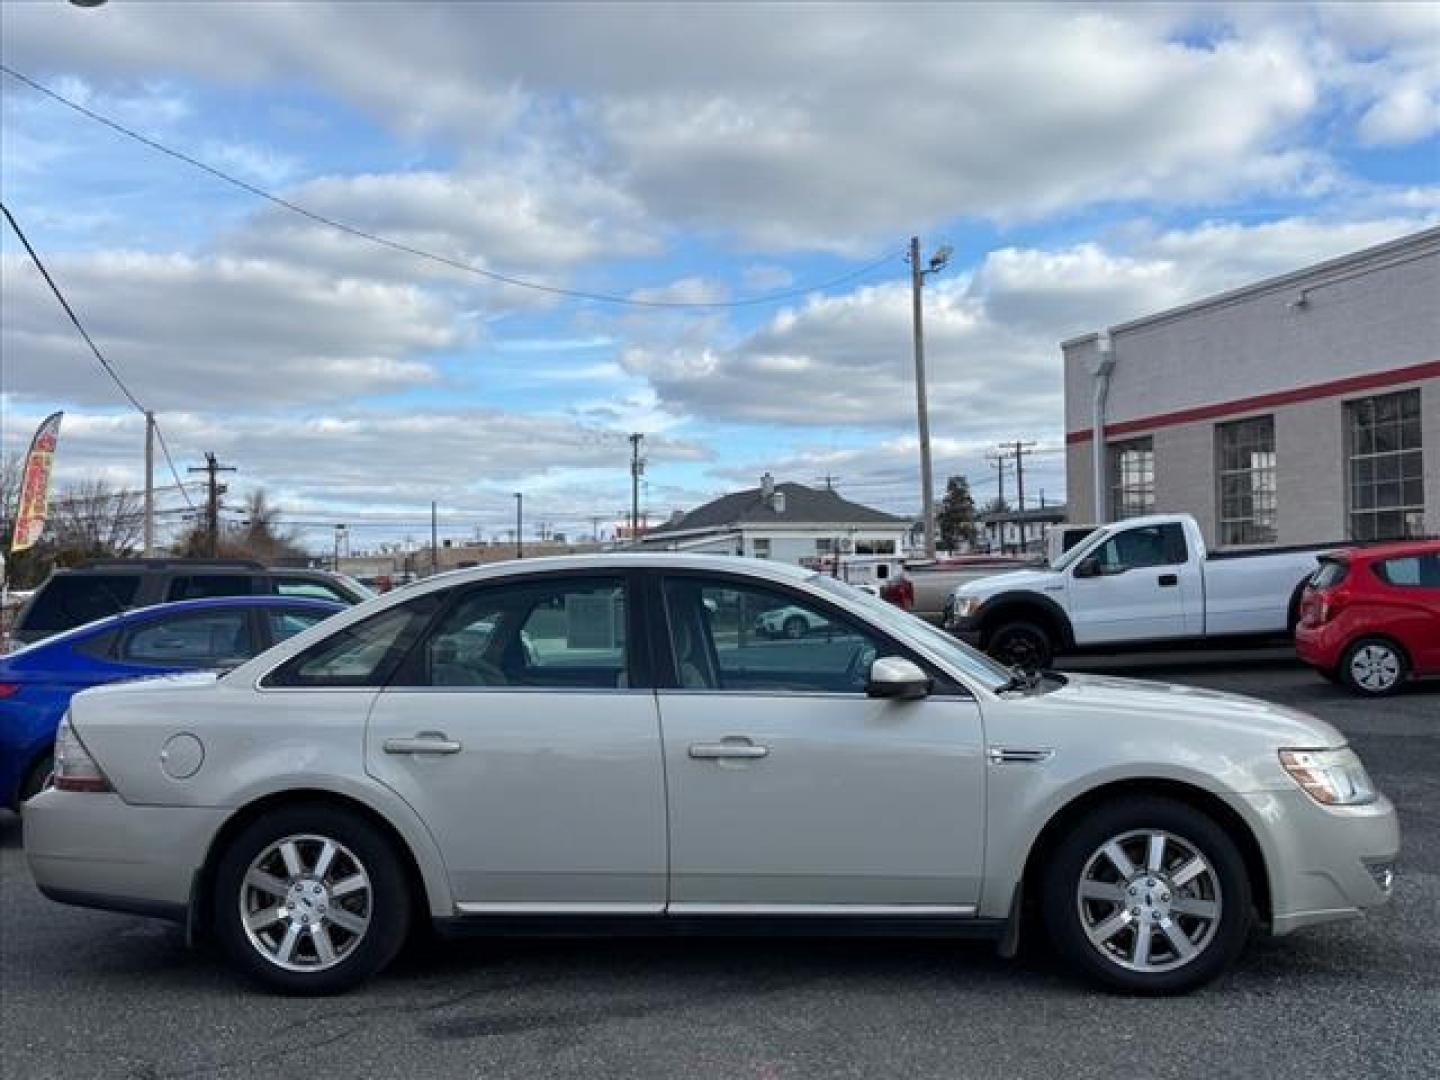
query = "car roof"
x=1397 y=549
x=220 y=568
x=613 y=562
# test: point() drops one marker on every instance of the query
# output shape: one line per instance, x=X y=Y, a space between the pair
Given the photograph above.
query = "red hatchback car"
x=1370 y=617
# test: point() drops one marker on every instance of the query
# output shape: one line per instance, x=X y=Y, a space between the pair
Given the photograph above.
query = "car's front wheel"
x=311 y=900
x=1373 y=667
x=1147 y=896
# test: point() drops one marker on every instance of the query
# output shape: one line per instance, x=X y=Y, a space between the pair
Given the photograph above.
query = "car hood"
x=995 y=584
x=1224 y=716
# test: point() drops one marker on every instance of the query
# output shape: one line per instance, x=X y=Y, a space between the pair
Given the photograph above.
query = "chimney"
x=767 y=488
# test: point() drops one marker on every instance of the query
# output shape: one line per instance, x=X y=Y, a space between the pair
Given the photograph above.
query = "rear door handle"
x=717 y=751
x=1169 y=581
x=427 y=742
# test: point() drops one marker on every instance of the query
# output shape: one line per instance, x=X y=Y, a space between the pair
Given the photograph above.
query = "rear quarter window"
x=72 y=600
x=1331 y=573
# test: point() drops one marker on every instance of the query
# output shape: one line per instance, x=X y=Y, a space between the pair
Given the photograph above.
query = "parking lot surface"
x=88 y=994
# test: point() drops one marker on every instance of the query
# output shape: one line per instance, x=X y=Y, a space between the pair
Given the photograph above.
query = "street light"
x=927 y=484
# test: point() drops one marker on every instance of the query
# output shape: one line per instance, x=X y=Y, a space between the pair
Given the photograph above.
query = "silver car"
x=603 y=743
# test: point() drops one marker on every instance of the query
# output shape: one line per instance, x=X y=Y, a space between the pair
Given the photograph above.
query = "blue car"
x=37 y=682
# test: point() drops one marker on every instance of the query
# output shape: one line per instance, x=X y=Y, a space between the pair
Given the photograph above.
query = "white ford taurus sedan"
x=605 y=744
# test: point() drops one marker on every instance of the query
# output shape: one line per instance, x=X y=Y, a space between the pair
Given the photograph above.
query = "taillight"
x=8 y=689
x=75 y=769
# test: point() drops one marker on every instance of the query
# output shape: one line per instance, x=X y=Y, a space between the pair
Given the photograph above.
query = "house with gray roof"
x=787 y=521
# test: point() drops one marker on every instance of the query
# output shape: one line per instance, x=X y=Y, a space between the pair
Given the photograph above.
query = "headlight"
x=965 y=606
x=1332 y=777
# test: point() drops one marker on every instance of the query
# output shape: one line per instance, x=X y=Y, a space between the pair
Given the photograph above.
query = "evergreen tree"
x=956 y=520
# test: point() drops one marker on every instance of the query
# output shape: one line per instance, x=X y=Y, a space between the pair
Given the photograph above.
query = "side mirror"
x=896 y=677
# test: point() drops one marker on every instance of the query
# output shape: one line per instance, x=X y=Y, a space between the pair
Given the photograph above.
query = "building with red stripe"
x=1301 y=409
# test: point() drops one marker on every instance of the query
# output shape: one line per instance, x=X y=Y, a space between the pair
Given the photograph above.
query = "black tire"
x=794 y=627
x=388 y=905
x=1021 y=644
x=1220 y=939
x=1377 y=647
x=35 y=779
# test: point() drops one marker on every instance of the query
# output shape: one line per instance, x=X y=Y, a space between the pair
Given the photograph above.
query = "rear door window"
x=1412 y=572
x=192 y=639
x=72 y=600
x=205 y=586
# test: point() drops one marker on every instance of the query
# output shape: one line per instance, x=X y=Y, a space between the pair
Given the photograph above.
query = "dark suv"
x=94 y=590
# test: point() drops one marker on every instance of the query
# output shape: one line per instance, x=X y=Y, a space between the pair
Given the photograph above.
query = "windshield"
x=962 y=657
x=1065 y=558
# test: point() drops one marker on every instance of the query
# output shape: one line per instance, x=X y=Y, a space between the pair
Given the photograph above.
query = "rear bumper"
x=1325 y=863
x=96 y=850
x=1319 y=646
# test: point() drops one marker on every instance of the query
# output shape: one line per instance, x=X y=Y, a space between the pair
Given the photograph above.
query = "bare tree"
x=95 y=518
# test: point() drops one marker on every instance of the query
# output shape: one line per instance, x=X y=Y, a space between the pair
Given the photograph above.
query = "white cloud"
x=246 y=332
x=803 y=126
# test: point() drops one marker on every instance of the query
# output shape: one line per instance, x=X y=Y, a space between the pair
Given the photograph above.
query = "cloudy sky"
x=1088 y=164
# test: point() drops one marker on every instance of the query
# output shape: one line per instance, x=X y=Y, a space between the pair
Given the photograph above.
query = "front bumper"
x=97 y=850
x=1324 y=863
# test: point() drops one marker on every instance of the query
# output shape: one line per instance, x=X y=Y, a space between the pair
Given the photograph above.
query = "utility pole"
x=922 y=410
x=519 y=525
x=339 y=532
x=637 y=466
x=212 y=469
x=434 y=538
x=149 y=483
x=1020 y=450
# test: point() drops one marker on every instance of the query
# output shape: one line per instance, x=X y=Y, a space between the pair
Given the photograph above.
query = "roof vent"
x=777 y=502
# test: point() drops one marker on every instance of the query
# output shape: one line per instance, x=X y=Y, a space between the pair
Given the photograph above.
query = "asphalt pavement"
x=87 y=994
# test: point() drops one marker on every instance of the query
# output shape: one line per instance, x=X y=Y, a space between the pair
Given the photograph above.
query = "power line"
x=397 y=245
x=99 y=356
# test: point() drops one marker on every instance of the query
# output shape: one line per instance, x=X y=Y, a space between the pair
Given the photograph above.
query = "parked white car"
x=1135 y=582
x=588 y=743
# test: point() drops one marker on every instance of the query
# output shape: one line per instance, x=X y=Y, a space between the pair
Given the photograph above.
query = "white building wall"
x=1373 y=317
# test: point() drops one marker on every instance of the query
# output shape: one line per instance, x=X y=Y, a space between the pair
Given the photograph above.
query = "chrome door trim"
x=557 y=908
x=800 y=910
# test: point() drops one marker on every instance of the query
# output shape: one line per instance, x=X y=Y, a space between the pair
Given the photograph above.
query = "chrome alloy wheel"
x=1375 y=667
x=305 y=903
x=1149 y=901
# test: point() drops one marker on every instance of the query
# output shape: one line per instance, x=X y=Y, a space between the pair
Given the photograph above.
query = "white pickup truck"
x=1130 y=583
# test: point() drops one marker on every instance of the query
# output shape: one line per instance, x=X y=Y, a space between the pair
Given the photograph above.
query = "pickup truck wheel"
x=1147 y=896
x=310 y=900
x=1021 y=644
x=1373 y=667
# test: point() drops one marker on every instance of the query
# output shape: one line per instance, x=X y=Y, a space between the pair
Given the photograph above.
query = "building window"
x=1132 y=478
x=824 y=545
x=1246 y=478
x=762 y=547
x=1387 y=489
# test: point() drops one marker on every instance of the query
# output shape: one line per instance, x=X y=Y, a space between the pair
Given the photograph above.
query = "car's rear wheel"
x=1373 y=667
x=311 y=900
x=1147 y=896
x=1021 y=644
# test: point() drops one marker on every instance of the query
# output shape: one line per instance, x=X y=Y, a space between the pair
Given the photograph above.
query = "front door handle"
x=1169 y=581
x=722 y=750
x=427 y=742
